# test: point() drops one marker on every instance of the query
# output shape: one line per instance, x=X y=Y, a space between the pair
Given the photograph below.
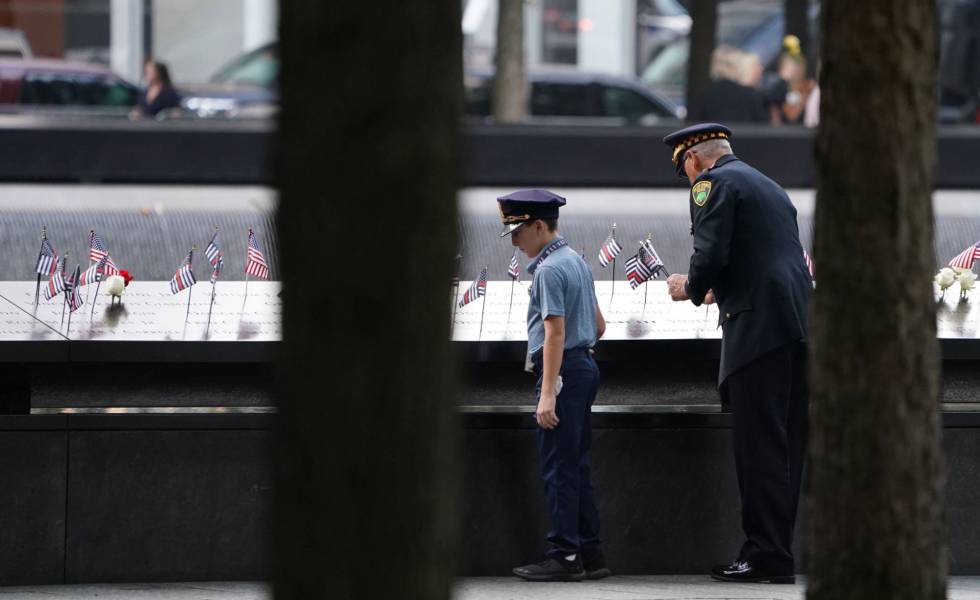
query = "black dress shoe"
x=594 y=562
x=553 y=569
x=743 y=571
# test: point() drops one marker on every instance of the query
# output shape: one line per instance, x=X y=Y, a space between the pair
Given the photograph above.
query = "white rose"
x=967 y=279
x=945 y=277
x=115 y=285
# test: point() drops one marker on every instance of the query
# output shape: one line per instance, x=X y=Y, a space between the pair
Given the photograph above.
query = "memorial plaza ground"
x=663 y=587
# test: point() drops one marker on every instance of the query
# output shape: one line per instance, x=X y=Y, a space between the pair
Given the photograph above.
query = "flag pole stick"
x=613 y=292
x=37 y=290
x=189 y=290
x=210 y=308
x=96 y=300
x=483 y=309
x=67 y=331
x=511 y=305
x=63 y=305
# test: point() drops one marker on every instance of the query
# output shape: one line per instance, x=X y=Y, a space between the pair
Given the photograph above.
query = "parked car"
x=13 y=44
x=45 y=85
x=248 y=86
x=570 y=95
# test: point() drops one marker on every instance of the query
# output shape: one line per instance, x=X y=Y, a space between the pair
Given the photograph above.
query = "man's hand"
x=709 y=298
x=545 y=414
x=675 y=286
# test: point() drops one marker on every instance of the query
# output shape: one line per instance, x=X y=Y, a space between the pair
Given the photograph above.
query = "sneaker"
x=594 y=562
x=742 y=571
x=567 y=568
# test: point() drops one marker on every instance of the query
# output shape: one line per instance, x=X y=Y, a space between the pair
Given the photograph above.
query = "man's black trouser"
x=769 y=400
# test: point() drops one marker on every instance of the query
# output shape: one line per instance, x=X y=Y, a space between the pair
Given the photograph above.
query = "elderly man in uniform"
x=563 y=323
x=748 y=258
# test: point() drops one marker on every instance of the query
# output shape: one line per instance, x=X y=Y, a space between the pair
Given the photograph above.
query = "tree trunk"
x=367 y=169
x=704 y=22
x=875 y=496
x=509 y=84
x=797 y=23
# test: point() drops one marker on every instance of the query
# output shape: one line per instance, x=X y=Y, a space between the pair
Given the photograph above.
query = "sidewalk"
x=636 y=587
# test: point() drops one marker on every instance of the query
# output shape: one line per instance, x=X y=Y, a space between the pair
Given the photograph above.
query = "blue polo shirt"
x=563 y=287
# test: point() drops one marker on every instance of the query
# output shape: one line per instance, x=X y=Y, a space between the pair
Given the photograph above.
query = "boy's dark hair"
x=551 y=224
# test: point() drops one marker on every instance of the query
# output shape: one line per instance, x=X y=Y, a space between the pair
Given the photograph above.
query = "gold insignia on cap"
x=694 y=140
x=700 y=191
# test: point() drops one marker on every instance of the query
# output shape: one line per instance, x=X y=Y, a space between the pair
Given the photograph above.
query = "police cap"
x=684 y=139
x=524 y=206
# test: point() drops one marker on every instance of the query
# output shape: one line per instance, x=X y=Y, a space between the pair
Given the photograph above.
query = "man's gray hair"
x=713 y=148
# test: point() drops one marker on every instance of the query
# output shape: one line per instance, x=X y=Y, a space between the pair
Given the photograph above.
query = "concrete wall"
x=196 y=38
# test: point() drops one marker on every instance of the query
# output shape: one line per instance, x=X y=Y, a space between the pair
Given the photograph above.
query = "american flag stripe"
x=184 y=277
x=215 y=257
x=255 y=264
x=75 y=300
x=476 y=290
x=97 y=251
x=56 y=283
x=514 y=269
x=964 y=260
x=649 y=257
x=47 y=259
x=90 y=275
x=609 y=251
x=808 y=261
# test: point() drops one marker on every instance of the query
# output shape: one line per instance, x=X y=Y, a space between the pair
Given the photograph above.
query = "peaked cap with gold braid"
x=687 y=138
x=524 y=206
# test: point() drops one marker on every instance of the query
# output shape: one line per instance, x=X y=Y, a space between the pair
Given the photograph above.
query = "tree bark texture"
x=704 y=23
x=367 y=166
x=875 y=495
x=510 y=84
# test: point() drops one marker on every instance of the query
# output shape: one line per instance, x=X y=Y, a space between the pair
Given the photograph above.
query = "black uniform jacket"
x=747 y=250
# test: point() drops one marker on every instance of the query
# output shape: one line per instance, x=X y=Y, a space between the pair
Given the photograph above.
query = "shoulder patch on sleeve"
x=700 y=191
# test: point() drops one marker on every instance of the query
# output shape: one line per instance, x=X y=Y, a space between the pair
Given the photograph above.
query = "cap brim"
x=509 y=229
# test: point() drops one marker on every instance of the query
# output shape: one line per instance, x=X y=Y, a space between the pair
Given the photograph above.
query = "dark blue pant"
x=564 y=457
x=769 y=404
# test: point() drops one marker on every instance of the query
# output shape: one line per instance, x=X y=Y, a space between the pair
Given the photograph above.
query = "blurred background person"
x=734 y=95
x=788 y=89
x=159 y=93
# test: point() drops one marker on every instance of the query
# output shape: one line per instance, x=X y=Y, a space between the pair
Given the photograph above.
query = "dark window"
x=629 y=104
x=76 y=89
x=476 y=96
x=563 y=99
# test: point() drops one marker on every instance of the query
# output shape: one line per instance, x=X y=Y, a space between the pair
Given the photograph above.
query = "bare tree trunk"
x=509 y=85
x=875 y=497
x=704 y=23
x=367 y=170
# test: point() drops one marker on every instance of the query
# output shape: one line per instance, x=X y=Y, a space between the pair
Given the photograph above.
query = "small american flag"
x=215 y=257
x=809 y=262
x=75 y=300
x=93 y=274
x=610 y=249
x=56 y=283
x=514 y=269
x=964 y=260
x=184 y=277
x=47 y=259
x=255 y=264
x=477 y=289
x=97 y=251
x=643 y=266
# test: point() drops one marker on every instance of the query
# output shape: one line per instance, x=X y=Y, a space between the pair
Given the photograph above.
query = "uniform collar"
x=553 y=245
x=724 y=160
